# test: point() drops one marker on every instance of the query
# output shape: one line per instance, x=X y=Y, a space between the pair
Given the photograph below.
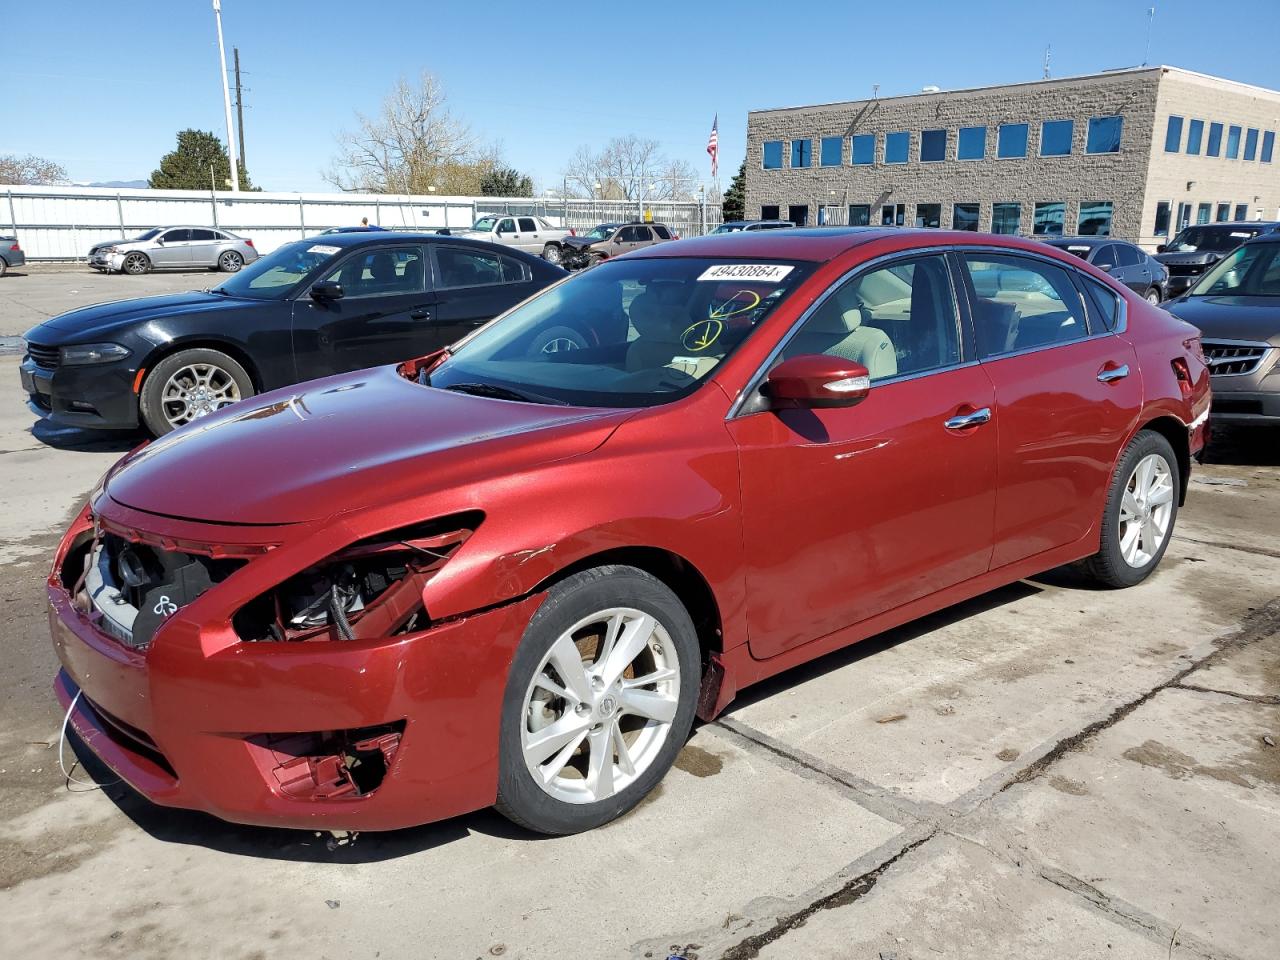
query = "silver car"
x=174 y=248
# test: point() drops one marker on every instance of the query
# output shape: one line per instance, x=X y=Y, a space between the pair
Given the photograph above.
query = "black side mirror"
x=327 y=290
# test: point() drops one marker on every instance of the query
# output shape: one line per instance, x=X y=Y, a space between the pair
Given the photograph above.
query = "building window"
x=1233 y=142
x=1095 y=218
x=1184 y=215
x=1202 y=212
x=893 y=214
x=864 y=149
x=1104 y=135
x=1162 y=219
x=832 y=151
x=933 y=146
x=1195 y=134
x=798 y=213
x=801 y=153
x=1006 y=218
x=1250 y=144
x=1223 y=213
x=1011 y=140
x=1242 y=211
x=964 y=216
x=1215 y=140
x=769 y=211
x=773 y=154
x=1055 y=137
x=1048 y=219
x=971 y=143
x=897 y=147
x=1268 y=145
x=859 y=214
x=1173 y=135
x=929 y=215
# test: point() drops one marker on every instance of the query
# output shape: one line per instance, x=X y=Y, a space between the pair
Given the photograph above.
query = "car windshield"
x=630 y=333
x=1220 y=240
x=149 y=235
x=273 y=276
x=602 y=232
x=1252 y=270
x=485 y=224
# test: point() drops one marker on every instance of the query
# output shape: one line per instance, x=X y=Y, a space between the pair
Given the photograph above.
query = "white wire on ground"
x=62 y=740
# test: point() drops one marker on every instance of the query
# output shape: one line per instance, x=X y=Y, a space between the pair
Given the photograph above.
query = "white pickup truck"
x=532 y=234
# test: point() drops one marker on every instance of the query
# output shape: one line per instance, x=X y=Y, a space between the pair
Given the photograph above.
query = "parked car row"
x=509 y=572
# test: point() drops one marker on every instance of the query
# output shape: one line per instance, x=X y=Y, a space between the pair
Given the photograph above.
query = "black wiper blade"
x=501 y=393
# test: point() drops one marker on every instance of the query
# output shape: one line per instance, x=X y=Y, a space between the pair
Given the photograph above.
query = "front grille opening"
x=129 y=737
x=44 y=357
x=331 y=764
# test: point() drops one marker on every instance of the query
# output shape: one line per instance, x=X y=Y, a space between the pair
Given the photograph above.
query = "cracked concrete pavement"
x=1047 y=770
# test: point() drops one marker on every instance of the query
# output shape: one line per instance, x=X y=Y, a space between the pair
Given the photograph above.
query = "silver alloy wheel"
x=195 y=391
x=135 y=263
x=231 y=261
x=552 y=254
x=600 y=705
x=1145 y=510
x=1153 y=296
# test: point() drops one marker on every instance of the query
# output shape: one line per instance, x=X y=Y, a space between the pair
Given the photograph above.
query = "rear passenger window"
x=477 y=268
x=662 y=231
x=203 y=235
x=898 y=319
x=527 y=225
x=1022 y=304
x=1103 y=302
x=1129 y=256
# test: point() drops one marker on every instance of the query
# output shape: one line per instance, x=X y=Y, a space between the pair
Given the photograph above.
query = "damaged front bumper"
x=374 y=733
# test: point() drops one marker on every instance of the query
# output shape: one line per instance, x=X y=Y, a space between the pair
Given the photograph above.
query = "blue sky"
x=103 y=89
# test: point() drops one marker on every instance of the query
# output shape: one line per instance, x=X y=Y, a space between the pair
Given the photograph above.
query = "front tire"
x=1153 y=296
x=136 y=264
x=553 y=254
x=1141 y=508
x=599 y=700
x=188 y=385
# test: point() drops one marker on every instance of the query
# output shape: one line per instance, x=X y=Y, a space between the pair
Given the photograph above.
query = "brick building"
x=1135 y=153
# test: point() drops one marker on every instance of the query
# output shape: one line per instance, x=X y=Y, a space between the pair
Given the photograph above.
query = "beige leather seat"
x=837 y=329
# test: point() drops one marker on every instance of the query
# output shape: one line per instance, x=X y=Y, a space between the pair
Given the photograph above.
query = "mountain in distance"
x=131 y=184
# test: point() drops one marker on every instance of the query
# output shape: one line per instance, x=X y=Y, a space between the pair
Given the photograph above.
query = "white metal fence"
x=61 y=223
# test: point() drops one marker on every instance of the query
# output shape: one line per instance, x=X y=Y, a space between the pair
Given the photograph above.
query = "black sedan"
x=311 y=308
x=1127 y=262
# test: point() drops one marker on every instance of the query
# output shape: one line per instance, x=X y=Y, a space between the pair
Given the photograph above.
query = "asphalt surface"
x=1049 y=770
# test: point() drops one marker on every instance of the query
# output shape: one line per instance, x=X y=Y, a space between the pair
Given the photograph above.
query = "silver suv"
x=173 y=248
x=613 y=240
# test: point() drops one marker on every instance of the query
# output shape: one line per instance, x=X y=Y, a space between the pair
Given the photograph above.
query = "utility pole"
x=235 y=51
x=226 y=100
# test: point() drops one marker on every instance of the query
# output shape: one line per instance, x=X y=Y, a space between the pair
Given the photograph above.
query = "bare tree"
x=630 y=168
x=413 y=143
x=30 y=170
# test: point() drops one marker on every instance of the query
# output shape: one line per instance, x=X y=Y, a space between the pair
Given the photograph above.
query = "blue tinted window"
x=1195 y=134
x=1215 y=140
x=1055 y=137
x=1048 y=219
x=1104 y=135
x=1005 y=217
x=801 y=153
x=1250 y=144
x=897 y=147
x=933 y=145
x=971 y=143
x=1268 y=145
x=1012 y=141
x=1173 y=135
x=1233 y=142
x=773 y=154
x=864 y=148
x=832 y=151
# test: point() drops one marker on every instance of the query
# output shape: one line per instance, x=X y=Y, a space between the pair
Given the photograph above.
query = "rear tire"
x=4 y=266
x=1139 y=515
x=230 y=262
x=581 y=667
x=1153 y=296
x=190 y=384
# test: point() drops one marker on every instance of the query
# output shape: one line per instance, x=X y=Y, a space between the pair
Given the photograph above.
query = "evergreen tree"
x=506 y=182
x=187 y=168
x=735 y=198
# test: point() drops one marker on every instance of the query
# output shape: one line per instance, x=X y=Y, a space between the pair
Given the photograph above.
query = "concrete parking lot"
x=1049 y=770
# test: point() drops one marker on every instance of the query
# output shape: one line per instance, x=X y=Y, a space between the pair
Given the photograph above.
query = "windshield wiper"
x=217 y=290
x=501 y=393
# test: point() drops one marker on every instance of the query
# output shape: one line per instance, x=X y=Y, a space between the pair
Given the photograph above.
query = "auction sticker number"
x=759 y=272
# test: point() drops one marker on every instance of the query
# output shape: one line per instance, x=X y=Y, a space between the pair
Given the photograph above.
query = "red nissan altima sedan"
x=512 y=573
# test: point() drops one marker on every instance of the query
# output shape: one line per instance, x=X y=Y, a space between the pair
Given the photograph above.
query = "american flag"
x=713 y=146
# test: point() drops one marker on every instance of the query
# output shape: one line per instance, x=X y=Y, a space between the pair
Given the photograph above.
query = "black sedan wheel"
x=136 y=264
x=188 y=385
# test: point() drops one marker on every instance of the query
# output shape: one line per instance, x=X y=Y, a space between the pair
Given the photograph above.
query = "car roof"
x=1272 y=237
x=1237 y=225
x=1086 y=241
x=362 y=237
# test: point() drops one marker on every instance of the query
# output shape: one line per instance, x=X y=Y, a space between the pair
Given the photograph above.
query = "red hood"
x=346 y=442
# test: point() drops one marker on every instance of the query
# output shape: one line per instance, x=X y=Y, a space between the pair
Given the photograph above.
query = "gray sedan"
x=174 y=248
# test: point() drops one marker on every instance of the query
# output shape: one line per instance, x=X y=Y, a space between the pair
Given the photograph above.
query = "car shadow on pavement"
x=87 y=441
x=308 y=846
x=881 y=642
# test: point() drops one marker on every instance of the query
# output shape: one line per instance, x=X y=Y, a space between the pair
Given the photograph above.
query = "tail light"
x=1193 y=346
x=572 y=232
x=674 y=235
x=1182 y=373
x=15 y=248
x=248 y=243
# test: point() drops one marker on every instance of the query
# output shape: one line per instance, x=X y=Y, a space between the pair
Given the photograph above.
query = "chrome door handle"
x=1112 y=374
x=962 y=420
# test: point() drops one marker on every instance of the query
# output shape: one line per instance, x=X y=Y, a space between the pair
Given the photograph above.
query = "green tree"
x=187 y=168
x=735 y=198
x=506 y=182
